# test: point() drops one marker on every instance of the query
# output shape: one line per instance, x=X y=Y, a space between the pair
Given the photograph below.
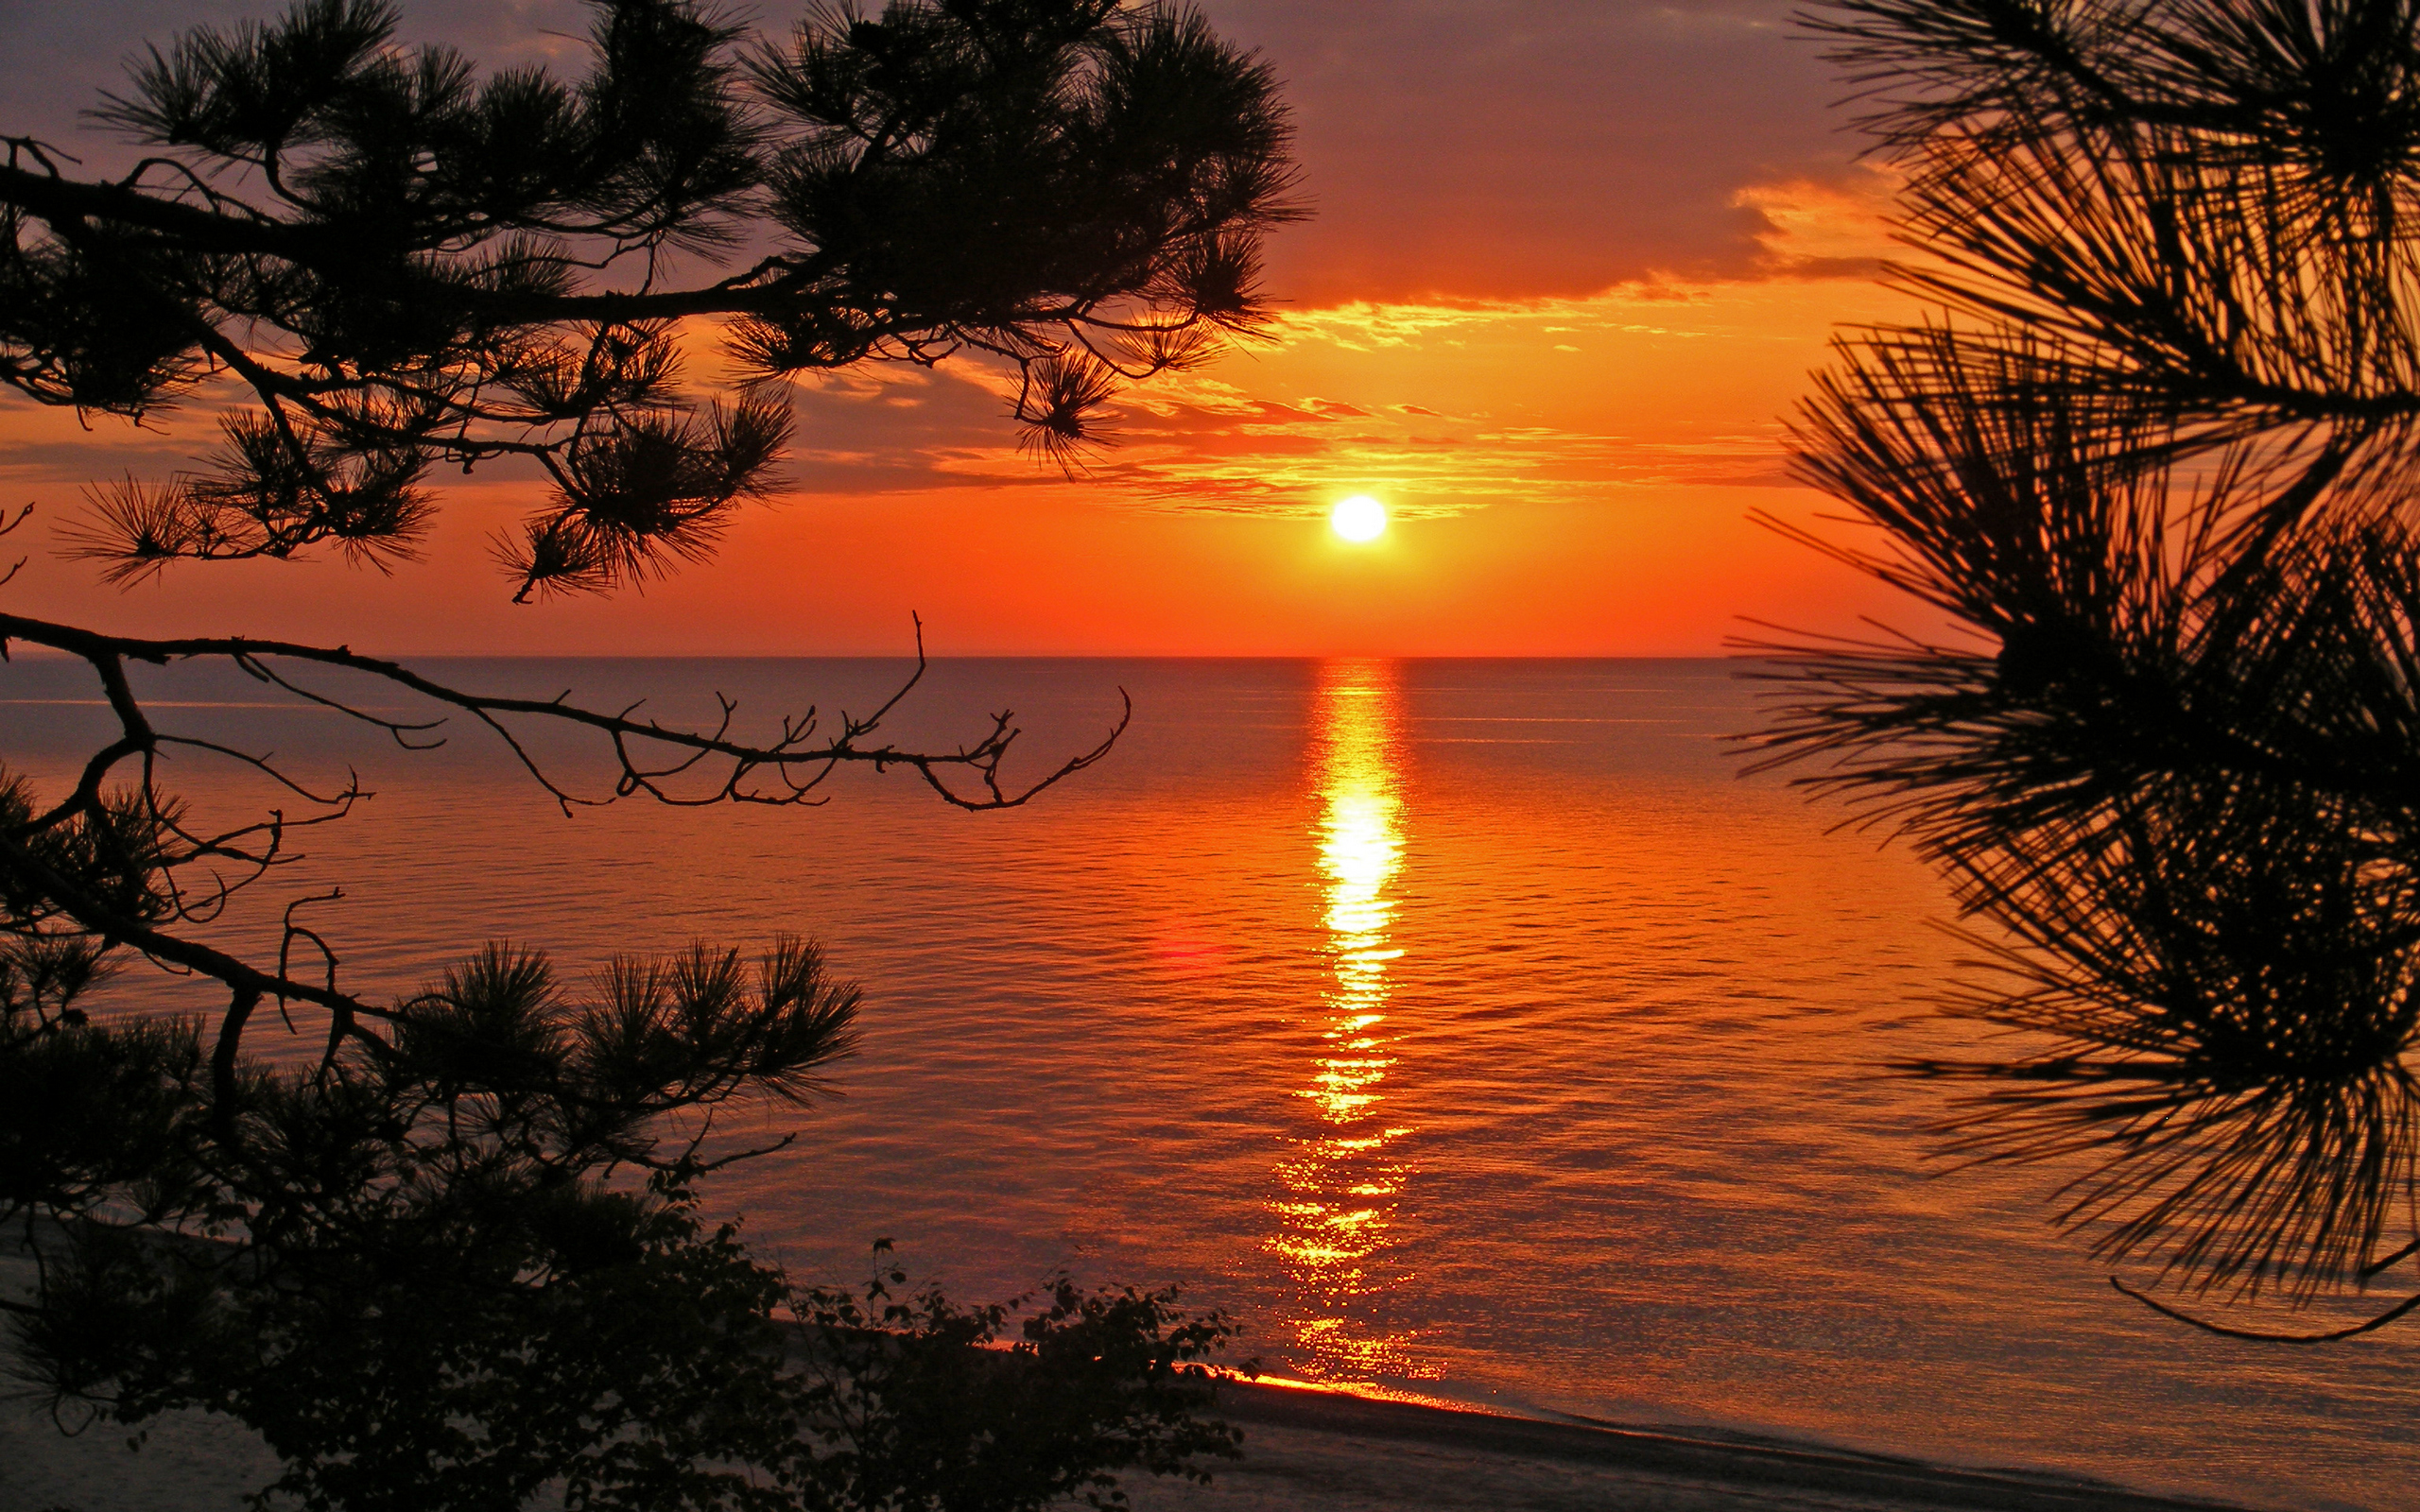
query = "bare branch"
x=982 y=758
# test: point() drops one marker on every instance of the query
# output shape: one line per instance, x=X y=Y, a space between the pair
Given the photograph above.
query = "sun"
x=1358 y=518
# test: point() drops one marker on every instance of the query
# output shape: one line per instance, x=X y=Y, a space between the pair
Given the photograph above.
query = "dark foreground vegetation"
x=448 y=1251
x=2150 y=455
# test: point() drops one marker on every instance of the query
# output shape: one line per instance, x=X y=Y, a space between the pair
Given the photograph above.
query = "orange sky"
x=1571 y=266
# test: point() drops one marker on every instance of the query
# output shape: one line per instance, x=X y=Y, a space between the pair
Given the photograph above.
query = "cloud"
x=56 y=60
x=1836 y=226
x=1540 y=227
x=1519 y=149
x=1451 y=148
x=1517 y=414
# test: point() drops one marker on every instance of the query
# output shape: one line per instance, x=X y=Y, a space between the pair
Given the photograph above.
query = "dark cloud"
x=1455 y=148
x=56 y=57
x=1511 y=148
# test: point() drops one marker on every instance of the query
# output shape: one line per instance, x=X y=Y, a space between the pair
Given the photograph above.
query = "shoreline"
x=1312 y=1449
x=1307 y=1449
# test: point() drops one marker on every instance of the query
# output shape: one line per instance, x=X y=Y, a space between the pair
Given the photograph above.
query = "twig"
x=2260 y=1337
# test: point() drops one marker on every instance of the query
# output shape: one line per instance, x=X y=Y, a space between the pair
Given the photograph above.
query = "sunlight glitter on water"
x=1336 y=1188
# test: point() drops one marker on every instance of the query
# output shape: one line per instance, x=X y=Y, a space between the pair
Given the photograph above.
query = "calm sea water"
x=1468 y=1027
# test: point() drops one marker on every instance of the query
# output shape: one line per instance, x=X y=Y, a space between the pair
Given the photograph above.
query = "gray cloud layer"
x=1519 y=148
x=1462 y=148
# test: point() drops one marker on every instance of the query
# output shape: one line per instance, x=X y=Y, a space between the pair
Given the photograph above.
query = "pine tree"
x=2150 y=455
x=461 y=1259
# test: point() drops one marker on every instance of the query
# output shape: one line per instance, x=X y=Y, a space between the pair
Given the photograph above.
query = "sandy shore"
x=1305 y=1452
x=1323 y=1452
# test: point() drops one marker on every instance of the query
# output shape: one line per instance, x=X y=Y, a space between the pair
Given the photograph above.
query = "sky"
x=1569 y=266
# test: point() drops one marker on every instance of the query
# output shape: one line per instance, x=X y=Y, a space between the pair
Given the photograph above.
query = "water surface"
x=1468 y=1027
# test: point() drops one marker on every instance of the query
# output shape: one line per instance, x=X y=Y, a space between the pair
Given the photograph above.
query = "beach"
x=1304 y=1451
x=1331 y=1451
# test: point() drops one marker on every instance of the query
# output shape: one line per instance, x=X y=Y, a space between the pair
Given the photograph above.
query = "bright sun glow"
x=1358 y=518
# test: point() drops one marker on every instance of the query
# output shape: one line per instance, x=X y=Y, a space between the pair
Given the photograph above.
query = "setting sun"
x=1358 y=518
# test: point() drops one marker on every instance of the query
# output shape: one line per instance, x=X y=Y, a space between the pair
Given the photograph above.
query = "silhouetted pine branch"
x=455 y=1257
x=2152 y=456
x=411 y=266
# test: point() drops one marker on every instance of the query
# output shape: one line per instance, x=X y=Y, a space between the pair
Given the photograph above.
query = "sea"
x=1473 y=1031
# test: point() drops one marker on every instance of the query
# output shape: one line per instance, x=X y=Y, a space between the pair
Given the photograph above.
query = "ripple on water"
x=1465 y=1027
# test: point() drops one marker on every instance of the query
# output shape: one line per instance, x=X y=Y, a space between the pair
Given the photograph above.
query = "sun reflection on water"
x=1339 y=1187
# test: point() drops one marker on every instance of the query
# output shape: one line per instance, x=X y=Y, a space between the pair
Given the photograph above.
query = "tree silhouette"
x=457 y=1256
x=2151 y=453
x=409 y=266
